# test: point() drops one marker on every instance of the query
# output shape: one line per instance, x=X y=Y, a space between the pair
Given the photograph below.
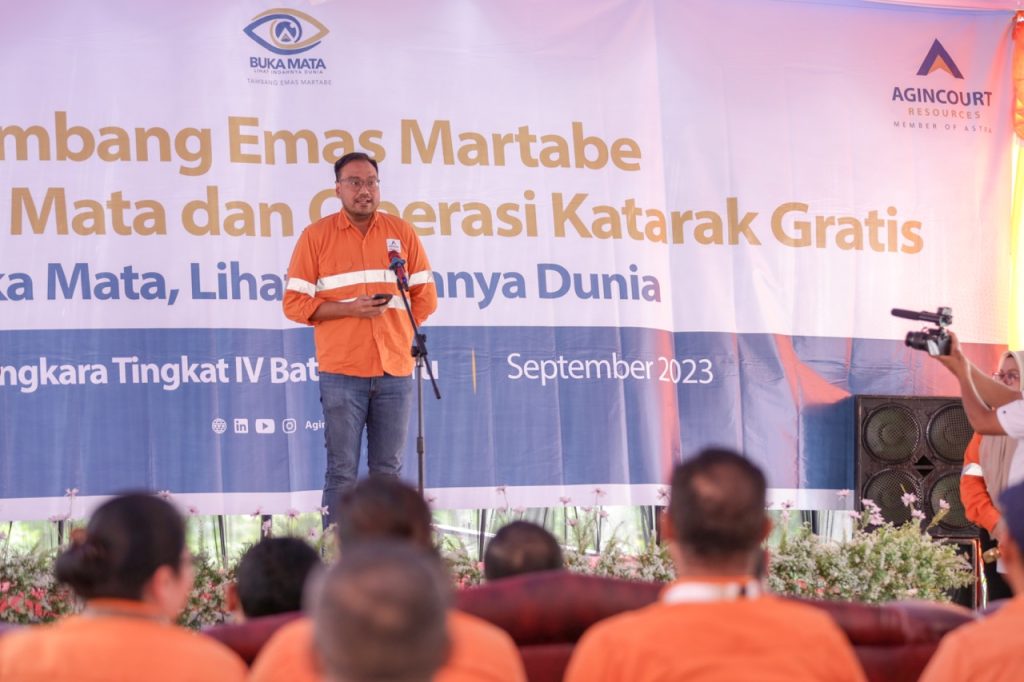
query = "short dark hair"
x=521 y=547
x=126 y=540
x=718 y=505
x=383 y=507
x=271 y=574
x=380 y=614
x=349 y=158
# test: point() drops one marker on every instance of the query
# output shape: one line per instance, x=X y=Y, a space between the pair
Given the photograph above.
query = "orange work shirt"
x=481 y=652
x=762 y=638
x=129 y=645
x=334 y=261
x=989 y=650
x=978 y=505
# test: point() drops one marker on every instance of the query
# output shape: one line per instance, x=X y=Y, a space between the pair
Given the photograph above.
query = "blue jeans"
x=382 y=405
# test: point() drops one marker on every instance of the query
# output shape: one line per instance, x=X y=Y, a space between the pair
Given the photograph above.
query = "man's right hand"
x=365 y=306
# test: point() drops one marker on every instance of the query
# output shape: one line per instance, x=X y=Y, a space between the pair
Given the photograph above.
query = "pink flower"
x=292 y=513
x=164 y=494
x=662 y=494
x=843 y=494
x=944 y=505
x=802 y=584
x=917 y=514
x=876 y=519
x=193 y=510
x=786 y=504
x=257 y=512
x=572 y=522
x=519 y=510
x=565 y=500
x=598 y=492
x=908 y=499
x=500 y=489
x=323 y=511
x=70 y=492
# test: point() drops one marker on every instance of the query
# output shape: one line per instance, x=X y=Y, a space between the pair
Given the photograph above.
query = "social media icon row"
x=263 y=426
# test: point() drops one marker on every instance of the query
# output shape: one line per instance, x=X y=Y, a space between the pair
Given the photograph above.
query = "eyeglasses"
x=1006 y=377
x=358 y=183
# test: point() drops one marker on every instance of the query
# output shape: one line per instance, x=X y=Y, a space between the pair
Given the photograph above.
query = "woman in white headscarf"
x=987 y=462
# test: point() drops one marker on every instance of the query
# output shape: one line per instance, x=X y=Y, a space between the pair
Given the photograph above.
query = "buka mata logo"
x=288 y=33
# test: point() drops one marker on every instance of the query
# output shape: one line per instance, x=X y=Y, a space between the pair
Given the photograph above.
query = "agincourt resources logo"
x=947 y=102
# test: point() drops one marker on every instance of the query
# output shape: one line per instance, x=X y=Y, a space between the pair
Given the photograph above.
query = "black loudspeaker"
x=913 y=445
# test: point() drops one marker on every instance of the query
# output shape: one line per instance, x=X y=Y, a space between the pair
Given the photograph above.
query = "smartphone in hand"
x=382 y=299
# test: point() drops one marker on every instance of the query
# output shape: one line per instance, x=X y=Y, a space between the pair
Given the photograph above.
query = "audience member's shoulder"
x=287 y=655
x=464 y=625
x=296 y=630
x=481 y=651
x=210 y=650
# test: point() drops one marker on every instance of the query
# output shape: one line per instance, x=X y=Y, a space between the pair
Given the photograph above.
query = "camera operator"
x=993 y=409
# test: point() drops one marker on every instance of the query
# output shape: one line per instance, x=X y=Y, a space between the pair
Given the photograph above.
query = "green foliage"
x=29 y=592
x=879 y=563
x=207 y=603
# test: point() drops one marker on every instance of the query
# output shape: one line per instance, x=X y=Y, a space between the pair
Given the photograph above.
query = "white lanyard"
x=696 y=592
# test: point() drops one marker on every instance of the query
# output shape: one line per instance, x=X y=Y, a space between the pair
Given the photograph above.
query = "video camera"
x=935 y=341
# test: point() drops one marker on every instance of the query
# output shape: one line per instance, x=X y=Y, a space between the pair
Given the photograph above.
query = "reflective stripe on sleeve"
x=973 y=469
x=301 y=286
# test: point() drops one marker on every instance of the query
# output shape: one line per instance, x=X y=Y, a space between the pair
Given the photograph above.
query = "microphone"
x=943 y=317
x=398 y=267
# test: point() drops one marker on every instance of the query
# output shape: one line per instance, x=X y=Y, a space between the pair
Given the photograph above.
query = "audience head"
x=132 y=548
x=383 y=507
x=717 y=512
x=521 y=547
x=1012 y=550
x=379 y=614
x=271 y=575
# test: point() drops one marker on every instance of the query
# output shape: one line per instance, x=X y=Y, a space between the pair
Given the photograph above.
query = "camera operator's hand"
x=956 y=362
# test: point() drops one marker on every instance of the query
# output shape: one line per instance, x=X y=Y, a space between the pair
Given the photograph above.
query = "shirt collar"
x=711 y=589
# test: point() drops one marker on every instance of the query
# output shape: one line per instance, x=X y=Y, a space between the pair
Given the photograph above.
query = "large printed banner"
x=654 y=226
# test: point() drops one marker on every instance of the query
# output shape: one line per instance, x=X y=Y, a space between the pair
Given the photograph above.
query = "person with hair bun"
x=134 y=573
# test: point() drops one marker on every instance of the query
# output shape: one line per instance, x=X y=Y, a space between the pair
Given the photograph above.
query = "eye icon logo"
x=286 y=31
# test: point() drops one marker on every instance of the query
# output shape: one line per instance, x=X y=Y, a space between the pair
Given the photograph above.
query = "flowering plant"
x=29 y=593
x=207 y=602
x=880 y=562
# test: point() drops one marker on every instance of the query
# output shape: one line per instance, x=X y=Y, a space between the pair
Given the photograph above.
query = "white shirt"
x=1011 y=418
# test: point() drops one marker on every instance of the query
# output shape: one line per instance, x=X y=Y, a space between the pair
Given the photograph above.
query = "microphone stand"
x=419 y=351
